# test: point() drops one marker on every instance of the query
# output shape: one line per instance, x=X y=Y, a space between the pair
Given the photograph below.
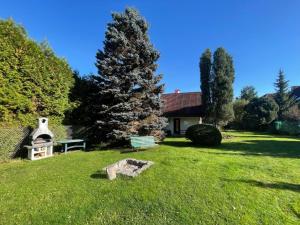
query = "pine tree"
x=222 y=90
x=283 y=97
x=206 y=81
x=248 y=93
x=128 y=89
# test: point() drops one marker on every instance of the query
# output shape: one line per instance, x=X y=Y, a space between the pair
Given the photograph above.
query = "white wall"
x=185 y=122
x=170 y=125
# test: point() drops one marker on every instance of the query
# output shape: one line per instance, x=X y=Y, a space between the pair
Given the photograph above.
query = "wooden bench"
x=66 y=142
x=139 y=142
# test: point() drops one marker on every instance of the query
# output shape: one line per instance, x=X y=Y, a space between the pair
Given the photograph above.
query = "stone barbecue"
x=128 y=167
x=41 y=140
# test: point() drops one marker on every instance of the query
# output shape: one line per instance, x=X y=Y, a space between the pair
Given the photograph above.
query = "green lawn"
x=249 y=179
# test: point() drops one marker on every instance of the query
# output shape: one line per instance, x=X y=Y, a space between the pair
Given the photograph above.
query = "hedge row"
x=286 y=127
x=33 y=80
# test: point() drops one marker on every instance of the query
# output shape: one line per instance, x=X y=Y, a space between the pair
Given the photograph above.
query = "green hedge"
x=286 y=127
x=33 y=80
x=59 y=131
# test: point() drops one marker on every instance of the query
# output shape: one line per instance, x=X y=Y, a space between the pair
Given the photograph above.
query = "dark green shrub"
x=260 y=113
x=285 y=127
x=204 y=134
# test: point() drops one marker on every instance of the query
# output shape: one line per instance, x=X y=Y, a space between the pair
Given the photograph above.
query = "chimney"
x=177 y=91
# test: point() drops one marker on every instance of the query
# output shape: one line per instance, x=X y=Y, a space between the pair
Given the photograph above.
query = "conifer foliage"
x=217 y=78
x=206 y=80
x=129 y=90
x=248 y=93
x=33 y=80
x=223 y=73
x=283 y=97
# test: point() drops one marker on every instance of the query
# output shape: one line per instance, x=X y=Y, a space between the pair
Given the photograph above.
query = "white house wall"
x=185 y=122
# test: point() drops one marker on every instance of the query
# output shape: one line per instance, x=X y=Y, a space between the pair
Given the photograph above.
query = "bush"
x=285 y=127
x=292 y=114
x=239 y=112
x=204 y=134
x=260 y=113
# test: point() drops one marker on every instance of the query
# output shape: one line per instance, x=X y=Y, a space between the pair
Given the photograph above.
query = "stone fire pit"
x=127 y=167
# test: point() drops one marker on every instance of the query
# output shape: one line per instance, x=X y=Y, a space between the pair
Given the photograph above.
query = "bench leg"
x=84 y=145
x=66 y=148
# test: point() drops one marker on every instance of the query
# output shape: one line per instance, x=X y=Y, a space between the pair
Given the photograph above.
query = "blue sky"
x=261 y=35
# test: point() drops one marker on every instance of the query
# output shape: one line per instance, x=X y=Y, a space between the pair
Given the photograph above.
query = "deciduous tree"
x=248 y=93
x=239 y=111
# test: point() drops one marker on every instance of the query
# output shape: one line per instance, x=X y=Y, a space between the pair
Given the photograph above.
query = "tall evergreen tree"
x=248 y=93
x=128 y=88
x=206 y=81
x=283 y=97
x=222 y=90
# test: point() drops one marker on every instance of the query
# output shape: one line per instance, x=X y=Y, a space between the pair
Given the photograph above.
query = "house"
x=182 y=110
x=296 y=91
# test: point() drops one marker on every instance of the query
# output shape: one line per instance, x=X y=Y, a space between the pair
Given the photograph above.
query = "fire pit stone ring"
x=128 y=167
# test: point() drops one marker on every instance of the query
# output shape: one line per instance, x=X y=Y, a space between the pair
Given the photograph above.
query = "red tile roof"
x=296 y=91
x=182 y=104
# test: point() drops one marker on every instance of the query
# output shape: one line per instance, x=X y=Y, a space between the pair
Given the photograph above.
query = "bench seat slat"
x=142 y=141
x=75 y=146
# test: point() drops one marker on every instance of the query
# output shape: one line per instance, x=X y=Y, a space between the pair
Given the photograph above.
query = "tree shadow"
x=99 y=175
x=275 y=148
x=178 y=144
x=277 y=185
x=268 y=147
x=131 y=150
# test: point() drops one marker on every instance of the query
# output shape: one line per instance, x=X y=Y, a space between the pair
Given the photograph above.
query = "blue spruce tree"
x=129 y=90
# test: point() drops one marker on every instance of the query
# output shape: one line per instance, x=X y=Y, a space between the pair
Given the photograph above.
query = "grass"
x=249 y=179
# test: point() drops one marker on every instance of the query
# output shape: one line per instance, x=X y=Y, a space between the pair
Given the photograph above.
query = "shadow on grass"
x=269 y=147
x=179 y=144
x=99 y=175
x=277 y=185
x=275 y=148
x=130 y=150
